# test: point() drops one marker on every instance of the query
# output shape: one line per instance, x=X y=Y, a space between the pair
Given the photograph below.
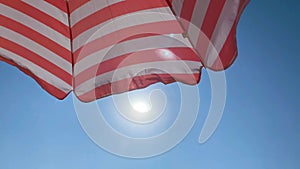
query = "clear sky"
x=260 y=128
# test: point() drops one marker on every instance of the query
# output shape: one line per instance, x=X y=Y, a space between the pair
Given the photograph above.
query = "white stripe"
x=36 y=48
x=35 y=25
x=162 y=67
x=90 y=8
x=222 y=30
x=197 y=20
x=124 y=21
x=146 y=43
x=177 y=6
x=50 y=10
x=37 y=71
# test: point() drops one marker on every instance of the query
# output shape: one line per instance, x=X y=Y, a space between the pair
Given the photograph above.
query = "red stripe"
x=37 y=60
x=212 y=15
x=229 y=50
x=113 y=11
x=228 y=53
x=37 y=37
x=60 y=4
x=139 y=57
x=75 y=4
x=137 y=82
x=165 y=27
x=138 y=36
x=187 y=12
x=208 y=26
x=45 y=85
x=169 y=3
x=40 y=16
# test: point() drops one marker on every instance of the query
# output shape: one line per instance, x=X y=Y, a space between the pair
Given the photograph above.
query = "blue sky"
x=260 y=127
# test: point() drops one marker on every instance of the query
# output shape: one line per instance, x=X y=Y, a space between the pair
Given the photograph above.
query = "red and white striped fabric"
x=35 y=37
x=98 y=48
x=211 y=27
x=125 y=45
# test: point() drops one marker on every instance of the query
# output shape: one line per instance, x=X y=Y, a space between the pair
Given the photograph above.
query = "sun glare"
x=141 y=107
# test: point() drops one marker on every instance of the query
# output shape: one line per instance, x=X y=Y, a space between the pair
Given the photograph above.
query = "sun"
x=141 y=106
